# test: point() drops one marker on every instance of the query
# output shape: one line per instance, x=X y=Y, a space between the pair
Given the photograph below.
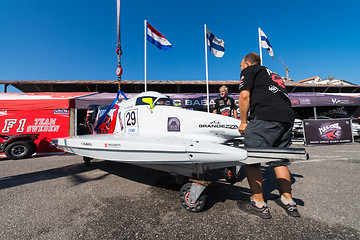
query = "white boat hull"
x=153 y=150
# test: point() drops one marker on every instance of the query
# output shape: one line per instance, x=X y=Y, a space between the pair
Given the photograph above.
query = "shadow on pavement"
x=17 y=180
x=270 y=184
x=218 y=191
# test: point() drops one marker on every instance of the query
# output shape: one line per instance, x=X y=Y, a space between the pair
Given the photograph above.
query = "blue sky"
x=76 y=40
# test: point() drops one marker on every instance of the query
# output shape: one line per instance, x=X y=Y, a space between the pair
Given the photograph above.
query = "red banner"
x=48 y=124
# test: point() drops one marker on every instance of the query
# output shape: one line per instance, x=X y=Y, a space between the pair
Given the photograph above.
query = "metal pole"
x=260 y=46
x=145 y=77
x=76 y=121
x=207 y=73
x=118 y=22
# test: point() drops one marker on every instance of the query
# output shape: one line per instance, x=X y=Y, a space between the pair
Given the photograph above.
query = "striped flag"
x=216 y=46
x=157 y=38
x=265 y=43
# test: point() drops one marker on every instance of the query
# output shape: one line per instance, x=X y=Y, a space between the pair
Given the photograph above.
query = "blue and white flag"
x=157 y=39
x=216 y=46
x=265 y=43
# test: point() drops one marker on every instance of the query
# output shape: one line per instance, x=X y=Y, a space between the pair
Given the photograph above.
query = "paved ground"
x=57 y=197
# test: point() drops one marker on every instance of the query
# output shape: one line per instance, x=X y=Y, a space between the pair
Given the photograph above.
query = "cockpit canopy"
x=157 y=101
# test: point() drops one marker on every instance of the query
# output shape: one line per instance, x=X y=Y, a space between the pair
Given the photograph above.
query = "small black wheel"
x=181 y=179
x=19 y=150
x=230 y=174
x=87 y=160
x=184 y=199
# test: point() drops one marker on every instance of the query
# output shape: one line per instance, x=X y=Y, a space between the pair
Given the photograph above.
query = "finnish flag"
x=216 y=46
x=157 y=38
x=265 y=43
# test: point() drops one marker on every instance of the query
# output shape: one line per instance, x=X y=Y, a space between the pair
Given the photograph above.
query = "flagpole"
x=207 y=74
x=260 y=47
x=118 y=20
x=145 y=63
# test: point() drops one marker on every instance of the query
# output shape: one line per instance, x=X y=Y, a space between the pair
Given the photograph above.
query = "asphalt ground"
x=57 y=197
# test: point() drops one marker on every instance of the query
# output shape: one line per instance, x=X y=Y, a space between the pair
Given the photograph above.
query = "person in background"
x=225 y=105
x=270 y=123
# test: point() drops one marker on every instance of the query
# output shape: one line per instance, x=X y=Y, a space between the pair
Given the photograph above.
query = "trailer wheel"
x=230 y=174
x=184 y=199
x=87 y=160
x=19 y=150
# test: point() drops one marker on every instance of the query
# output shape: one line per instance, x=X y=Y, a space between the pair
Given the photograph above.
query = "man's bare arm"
x=244 y=105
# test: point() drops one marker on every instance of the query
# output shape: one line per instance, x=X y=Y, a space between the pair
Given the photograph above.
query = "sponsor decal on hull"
x=112 y=145
x=173 y=124
x=217 y=124
x=86 y=144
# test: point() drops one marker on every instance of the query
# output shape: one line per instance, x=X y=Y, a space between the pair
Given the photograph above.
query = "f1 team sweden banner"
x=327 y=131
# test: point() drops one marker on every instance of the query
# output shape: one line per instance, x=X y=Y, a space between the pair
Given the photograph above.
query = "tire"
x=87 y=161
x=230 y=174
x=19 y=150
x=191 y=207
x=181 y=180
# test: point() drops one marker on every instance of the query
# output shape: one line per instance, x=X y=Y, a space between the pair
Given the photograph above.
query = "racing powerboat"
x=150 y=130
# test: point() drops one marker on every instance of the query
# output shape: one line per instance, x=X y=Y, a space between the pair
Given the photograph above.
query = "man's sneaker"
x=291 y=210
x=251 y=208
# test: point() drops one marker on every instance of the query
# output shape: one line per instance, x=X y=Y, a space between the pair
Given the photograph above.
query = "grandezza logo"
x=217 y=124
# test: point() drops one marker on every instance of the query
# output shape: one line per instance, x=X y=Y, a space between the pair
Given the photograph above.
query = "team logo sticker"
x=173 y=124
x=61 y=111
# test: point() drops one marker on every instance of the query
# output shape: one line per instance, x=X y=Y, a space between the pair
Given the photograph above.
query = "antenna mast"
x=287 y=70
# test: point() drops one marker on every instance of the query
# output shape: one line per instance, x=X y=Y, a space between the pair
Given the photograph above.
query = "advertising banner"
x=198 y=101
x=48 y=124
x=310 y=99
x=327 y=131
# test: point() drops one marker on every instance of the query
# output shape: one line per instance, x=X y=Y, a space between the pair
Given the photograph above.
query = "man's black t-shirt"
x=225 y=106
x=269 y=100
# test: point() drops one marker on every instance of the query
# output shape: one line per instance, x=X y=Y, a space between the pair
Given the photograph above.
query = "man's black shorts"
x=263 y=134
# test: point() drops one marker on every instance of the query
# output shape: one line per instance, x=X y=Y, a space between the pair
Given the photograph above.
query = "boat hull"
x=149 y=150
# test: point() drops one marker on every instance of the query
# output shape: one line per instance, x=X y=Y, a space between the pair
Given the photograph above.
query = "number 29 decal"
x=130 y=117
x=131 y=121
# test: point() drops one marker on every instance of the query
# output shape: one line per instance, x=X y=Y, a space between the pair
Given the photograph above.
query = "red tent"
x=48 y=114
x=33 y=101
